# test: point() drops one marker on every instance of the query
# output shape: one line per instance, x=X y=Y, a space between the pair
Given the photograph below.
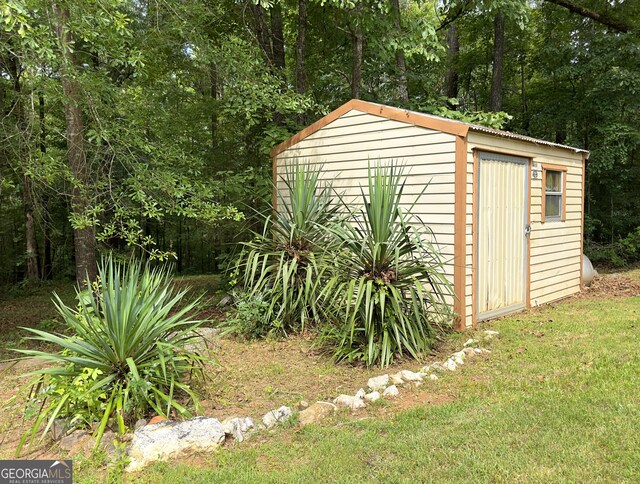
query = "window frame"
x=563 y=194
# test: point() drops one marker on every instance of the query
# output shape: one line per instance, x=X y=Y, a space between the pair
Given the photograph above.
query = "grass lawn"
x=557 y=400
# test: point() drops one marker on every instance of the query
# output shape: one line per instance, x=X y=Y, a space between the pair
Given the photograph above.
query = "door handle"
x=527 y=230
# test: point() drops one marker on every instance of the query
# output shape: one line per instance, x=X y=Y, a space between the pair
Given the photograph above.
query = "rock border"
x=173 y=436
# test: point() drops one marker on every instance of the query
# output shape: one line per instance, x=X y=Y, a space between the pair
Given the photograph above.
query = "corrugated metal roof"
x=496 y=132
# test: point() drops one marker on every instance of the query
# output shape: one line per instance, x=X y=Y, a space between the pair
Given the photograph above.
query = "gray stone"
x=59 y=428
x=361 y=393
x=378 y=382
x=238 y=427
x=458 y=358
x=170 y=439
x=450 y=365
x=438 y=367
x=315 y=413
x=302 y=404
x=74 y=440
x=373 y=396
x=410 y=376
x=140 y=423
x=349 y=401
x=270 y=419
x=396 y=379
x=391 y=391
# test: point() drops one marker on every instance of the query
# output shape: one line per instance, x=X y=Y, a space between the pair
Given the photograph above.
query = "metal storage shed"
x=508 y=245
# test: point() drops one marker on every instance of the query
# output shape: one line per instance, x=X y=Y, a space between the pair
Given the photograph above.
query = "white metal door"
x=502 y=231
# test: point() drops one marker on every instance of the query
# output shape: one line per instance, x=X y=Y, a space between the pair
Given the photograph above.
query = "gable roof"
x=458 y=128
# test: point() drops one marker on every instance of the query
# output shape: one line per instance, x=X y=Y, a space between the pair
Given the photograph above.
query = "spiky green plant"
x=389 y=290
x=126 y=352
x=284 y=265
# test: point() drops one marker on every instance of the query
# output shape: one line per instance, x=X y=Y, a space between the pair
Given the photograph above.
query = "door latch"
x=527 y=230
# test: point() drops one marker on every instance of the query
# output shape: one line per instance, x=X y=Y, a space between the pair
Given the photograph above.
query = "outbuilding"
x=506 y=210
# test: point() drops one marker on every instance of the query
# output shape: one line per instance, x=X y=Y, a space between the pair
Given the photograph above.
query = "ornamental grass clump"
x=387 y=294
x=127 y=352
x=283 y=267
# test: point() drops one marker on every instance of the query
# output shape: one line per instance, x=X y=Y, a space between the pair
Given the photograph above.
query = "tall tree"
x=498 y=62
x=357 y=41
x=453 y=49
x=403 y=91
x=301 y=43
x=84 y=234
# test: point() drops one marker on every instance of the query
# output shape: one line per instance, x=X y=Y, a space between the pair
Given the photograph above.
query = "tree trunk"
x=358 y=41
x=277 y=38
x=523 y=98
x=401 y=66
x=84 y=239
x=214 y=97
x=301 y=72
x=498 y=62
x=47 y=272
x=262 y=31
x=453 y=49
x=30 y=236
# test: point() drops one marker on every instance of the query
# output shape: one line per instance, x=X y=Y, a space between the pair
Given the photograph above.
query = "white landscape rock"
x=437 y=367
x=469 y=352
x=378 y=382
x=458 y=358
x=450 y=365
x=470 y=342
x=396 y=379
x=373 y=396
x=425 y=369
x=391 y=391
x=271 y=418
x=433 y=376
x=491 y=332
x=315 y=413
x=408 y=375
x=349 y=401
x=238 y=427
x=477 y=351
x=360 y=393
x=167 y=440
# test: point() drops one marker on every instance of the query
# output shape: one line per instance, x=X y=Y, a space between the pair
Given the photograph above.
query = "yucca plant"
x=126 y=352
x=283 y=265
x=388 y=292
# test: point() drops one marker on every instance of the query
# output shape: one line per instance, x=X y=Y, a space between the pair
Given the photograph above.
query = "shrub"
x=388 y=292
x=126 y=352
x=285 y=264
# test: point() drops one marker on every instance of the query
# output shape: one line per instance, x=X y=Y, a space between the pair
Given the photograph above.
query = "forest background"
x=145 y=126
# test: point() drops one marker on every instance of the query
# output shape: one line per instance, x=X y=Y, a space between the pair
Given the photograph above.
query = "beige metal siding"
x=555 y=246
x=346 y=146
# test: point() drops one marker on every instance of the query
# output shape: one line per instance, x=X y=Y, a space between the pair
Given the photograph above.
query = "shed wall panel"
x=347 y=146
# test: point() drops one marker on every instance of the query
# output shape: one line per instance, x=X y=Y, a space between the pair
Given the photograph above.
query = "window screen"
x=553 y=194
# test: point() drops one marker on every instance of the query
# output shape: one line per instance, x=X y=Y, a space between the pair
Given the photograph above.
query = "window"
x=554 y=193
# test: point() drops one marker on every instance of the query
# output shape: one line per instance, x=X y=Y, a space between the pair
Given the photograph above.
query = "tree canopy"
x=145 y=126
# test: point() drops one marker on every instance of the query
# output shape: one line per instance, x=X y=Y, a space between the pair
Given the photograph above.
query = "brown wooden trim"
x=545 y=167
x=459 y=235
x=527 y=291
x=584 y=167
x=274 y=179
x=474 y=231
x=417 y=119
